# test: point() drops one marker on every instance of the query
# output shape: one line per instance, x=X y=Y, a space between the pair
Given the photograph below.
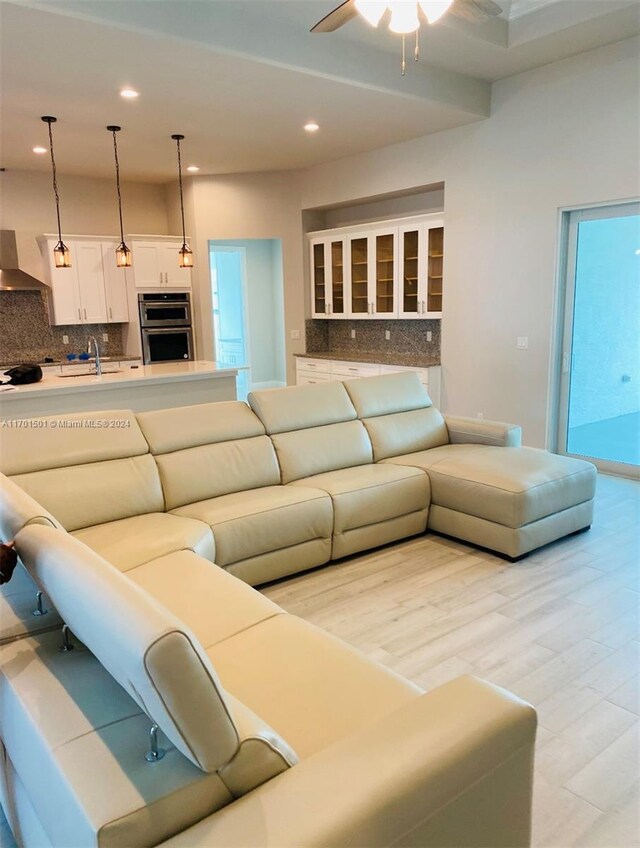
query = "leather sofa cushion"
x=149 y=651
x=215 y=604
x=309 y=686
x=209 y=471
x=387 y=394
x=78 y=741
x=17 y=509
x=509 y=486
x=258 y=521
x=168 y=430
x=133 y=541
x=298 y=407
x=85 y=495
x=303 y=453
x=370 y=494
x=406 y=432
x=86 y=437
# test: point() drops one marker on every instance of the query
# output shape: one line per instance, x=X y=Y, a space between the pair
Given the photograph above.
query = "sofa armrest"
x=451 y=768
x=472 y=431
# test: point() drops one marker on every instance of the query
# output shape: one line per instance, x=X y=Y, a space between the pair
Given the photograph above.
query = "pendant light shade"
x=123 y=254
x=61 y=253
x=185 y=254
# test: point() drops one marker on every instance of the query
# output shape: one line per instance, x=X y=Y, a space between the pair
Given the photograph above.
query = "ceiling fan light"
x=371 y=10
x=404 y=16
x=435 y=9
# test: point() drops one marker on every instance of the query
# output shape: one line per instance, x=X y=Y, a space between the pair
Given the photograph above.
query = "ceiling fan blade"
x=475 y=11
x=341 y=15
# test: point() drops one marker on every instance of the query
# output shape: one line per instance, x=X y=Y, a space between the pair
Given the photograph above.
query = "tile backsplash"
x=26 y=335
x=406 y=337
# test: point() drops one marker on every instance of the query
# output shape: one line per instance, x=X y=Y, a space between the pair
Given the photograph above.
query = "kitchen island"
x=148 y=387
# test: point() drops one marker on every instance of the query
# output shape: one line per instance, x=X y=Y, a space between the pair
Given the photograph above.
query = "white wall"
x=563 y=135
x=88 y=206
x=244 y=206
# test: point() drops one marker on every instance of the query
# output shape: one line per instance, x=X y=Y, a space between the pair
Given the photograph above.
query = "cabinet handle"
x=166 y=278
x=326 y=309
x=352 y=369
x=110 y=312
x=85 y=314
x=329 y=309
x=79 y=315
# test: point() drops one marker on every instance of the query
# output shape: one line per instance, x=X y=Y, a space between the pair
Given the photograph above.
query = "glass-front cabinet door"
x=337 y=299
x=319 y=303
x=359 y=268
x=435 y=264
x=384 y=274
x=411 y=261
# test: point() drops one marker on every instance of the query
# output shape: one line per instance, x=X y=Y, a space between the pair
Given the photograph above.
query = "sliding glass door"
x=600 y=383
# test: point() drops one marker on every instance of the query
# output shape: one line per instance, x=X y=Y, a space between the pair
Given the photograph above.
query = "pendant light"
x=61 y=253
x=123 y=254
x=185 y=253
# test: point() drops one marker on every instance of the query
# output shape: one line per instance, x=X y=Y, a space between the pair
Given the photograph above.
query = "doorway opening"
x=248 y=311
x=599 y=403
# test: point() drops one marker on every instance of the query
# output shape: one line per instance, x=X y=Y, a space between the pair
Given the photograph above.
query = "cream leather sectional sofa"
x=275 y=733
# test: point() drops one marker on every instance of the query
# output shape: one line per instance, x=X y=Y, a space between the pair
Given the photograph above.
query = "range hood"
x=21 y=263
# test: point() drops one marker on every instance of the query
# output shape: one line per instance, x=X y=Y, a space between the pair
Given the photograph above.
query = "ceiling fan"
x=475 y=11
x=406 y=15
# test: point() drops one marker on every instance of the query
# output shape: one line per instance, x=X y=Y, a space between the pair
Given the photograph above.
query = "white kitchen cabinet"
x=155 y=265
x=310 y=370
x=328 y=278
x=77 y=294
x=386 y=270
x=115 y=286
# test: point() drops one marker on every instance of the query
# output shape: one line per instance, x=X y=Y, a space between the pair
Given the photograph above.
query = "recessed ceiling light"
x=39 y=150
x=311 y=127
x=192 y=168
x=129 y=93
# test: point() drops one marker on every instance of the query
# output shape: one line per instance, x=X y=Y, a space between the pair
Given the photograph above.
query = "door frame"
x=562 y=342
x=242 y=250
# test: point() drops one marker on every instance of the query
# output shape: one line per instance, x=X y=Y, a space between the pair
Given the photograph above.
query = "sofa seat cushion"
x=212 y=603
x=509 y=486
x=132 y=541
x=370 y=494
x=77 y=742
x=310 y=687
x=259 y=521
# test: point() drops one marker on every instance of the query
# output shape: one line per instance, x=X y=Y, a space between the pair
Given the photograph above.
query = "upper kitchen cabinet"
x=155 y=264
x=421 y=256
x=115 y=286
x=77 y=294
x=328 y=278
x=387 y=270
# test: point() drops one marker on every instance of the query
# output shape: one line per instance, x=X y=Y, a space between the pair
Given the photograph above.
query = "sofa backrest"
x=17 y=509
x=150 y=652
x=398 y=414
x=314 y=429
x=84 y=468
x=209 y=450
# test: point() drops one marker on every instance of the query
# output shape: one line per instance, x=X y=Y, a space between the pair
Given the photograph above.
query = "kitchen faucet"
x=97 y=353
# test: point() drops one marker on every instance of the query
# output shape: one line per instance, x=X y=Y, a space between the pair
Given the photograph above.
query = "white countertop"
x=168 y=372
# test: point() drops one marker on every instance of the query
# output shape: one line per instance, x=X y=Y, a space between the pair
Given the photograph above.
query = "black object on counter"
x=24 y=374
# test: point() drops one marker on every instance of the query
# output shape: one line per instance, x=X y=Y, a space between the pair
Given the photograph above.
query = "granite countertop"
x=116 y=358
x=414 y=360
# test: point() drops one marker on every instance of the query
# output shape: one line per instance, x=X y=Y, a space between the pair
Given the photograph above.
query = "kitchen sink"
x=90 y=373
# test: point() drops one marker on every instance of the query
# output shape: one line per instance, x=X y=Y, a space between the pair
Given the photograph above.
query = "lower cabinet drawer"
x=304 y=378
x=354 y=369
x=313 y=365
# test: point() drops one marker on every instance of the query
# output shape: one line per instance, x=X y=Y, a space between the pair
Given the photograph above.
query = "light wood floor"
x=559 y=629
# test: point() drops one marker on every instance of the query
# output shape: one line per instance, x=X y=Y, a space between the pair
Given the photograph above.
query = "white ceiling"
x=240 y=77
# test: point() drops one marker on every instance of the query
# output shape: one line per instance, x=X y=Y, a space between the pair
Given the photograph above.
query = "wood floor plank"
x=558 y=628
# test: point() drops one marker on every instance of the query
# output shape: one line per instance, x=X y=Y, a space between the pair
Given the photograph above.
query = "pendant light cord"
x=55 y=181
x=115 y=152
x=184 y=236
